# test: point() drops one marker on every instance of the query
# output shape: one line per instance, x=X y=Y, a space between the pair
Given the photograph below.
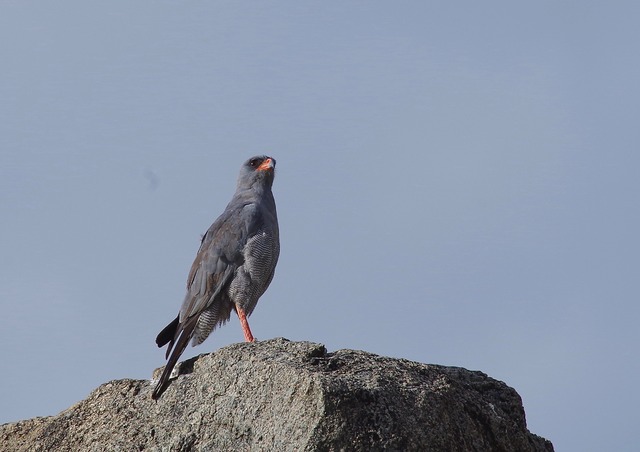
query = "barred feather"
x=214 y=316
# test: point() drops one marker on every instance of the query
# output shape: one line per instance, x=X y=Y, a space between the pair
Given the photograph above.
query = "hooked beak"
x=268 y=164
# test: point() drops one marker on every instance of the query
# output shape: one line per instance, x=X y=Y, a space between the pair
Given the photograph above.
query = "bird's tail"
x=179 y=342
x=168 y=334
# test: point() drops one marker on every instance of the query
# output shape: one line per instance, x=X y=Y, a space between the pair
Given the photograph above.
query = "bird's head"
x=259 y=170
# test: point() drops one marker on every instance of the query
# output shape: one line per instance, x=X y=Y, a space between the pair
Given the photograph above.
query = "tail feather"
x=181 y=338
x=168 y=334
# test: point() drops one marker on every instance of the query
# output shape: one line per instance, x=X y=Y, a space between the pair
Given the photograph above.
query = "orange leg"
x=248 y=337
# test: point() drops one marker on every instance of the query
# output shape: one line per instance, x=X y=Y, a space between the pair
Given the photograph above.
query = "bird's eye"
x=254 y=162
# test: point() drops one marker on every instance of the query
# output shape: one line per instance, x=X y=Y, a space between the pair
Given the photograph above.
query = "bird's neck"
x=254 y=192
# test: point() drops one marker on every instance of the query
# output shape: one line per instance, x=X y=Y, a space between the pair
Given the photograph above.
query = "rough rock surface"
x=279 y=395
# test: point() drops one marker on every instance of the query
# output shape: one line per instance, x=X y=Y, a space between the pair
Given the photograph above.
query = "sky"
x=456 y=184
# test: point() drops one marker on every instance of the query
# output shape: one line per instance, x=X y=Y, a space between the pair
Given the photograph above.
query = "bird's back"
x=235 y=263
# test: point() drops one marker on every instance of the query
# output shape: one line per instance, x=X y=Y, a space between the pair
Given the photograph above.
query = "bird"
x=234 y=266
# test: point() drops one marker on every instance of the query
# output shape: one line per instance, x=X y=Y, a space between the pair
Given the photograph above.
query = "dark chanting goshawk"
x=233 y=268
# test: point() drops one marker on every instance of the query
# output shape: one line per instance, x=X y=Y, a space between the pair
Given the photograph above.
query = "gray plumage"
x=233 y=268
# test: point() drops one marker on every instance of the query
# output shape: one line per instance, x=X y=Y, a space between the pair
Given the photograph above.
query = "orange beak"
x=266 y=165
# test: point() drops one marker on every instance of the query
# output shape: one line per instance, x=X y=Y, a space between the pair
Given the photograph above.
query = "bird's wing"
x=219 y=256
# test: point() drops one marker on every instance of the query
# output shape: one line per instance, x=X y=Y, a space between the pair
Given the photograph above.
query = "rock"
x=279 y=395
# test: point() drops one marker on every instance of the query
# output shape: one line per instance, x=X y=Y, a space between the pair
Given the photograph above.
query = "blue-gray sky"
x=456 y=184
